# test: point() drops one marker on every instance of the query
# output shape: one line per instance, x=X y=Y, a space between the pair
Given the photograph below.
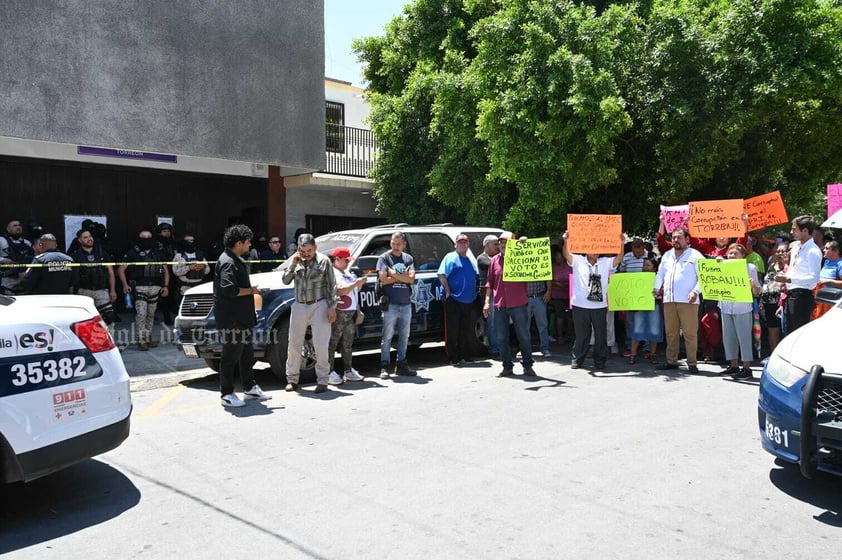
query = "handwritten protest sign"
x=631 y=291
x=528 y=261
x=724 y=281
x=834 y=198
x=717 y=218
x=675 y=216
x=594 y=233
x=765 y=210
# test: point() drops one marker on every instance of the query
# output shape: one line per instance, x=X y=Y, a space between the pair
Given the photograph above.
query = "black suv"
x=195 y=327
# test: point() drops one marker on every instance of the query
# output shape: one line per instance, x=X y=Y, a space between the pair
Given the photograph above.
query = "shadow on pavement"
x=821 y=491
x=63 y=503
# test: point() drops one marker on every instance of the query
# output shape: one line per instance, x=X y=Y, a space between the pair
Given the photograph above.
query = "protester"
x=770 y=294
x=233 y=298
x=737 y=322
x=344 y=328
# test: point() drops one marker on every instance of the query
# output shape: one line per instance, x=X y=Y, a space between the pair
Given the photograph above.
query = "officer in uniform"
x=191 y=267
x=92 y=278
x=165 y=246
x=14 y=249
x=50 y=271
x=147 y=281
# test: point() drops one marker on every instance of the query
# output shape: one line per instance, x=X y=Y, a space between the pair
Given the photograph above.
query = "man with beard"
x=92 y=278
x=149 y=279
x=314 y=307
x=14 y=249
x=233 y=300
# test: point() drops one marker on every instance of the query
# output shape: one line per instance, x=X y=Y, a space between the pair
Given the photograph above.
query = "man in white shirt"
x=677 y=282
x=805 y=265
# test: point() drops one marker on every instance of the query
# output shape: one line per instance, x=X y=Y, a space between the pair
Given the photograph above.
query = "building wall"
x=304 y=201
x=240 y=80
x=356 y=108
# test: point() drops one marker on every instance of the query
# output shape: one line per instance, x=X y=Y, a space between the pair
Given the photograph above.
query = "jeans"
x=491 y=332
x=538 y=309
x=397 y=317
x=520 y=319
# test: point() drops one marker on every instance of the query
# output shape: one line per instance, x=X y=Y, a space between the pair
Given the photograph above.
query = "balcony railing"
x=349 y=151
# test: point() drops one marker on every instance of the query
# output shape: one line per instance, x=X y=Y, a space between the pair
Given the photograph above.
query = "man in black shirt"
x=233 y=300
x=93 y=279
x=51 y=273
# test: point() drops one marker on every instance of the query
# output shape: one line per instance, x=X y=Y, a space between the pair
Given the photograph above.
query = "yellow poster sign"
x=724 y=281
x=631 y=291
x=528 y=261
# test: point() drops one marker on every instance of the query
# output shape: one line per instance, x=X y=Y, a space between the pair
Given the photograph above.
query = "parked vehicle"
x=800 y=404
x=64 y=391
x=195 y=327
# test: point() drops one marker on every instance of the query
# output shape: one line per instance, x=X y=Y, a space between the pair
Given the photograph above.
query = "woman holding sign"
x=590 y=302
x=737 y=322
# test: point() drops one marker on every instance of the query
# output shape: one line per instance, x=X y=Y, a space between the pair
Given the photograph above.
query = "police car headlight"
x=782 y=371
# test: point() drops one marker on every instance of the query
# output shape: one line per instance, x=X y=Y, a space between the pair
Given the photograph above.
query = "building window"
x=335 y=127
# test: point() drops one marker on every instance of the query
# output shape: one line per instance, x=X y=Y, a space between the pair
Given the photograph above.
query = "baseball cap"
x=489 y=239
x=341 y=253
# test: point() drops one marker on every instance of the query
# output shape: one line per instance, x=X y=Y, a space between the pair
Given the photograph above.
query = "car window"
x=428 y=249
x=377 y=246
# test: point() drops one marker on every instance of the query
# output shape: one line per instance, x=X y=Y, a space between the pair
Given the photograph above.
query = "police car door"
x=427 y=250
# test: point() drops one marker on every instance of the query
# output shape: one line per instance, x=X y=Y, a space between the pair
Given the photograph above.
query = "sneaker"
x=256 y=393
x=353 y=375
x=626 y=353
x=744 y=373
x=320 y=388
x=403 y=368
x=693 y=368
x=384 y=370
x=730 y=370
x=291 y=387
x=508 y=371
x=232 y=400
x=334 y=378
x=666 y=365
x=547 y=354
x=575 y=365
x=529 y=372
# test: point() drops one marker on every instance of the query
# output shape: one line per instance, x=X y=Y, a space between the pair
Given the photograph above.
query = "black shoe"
x=291 y=387
x=730 y=370
x=575 y=365
x=402 y=368
x=320 y=389
x=457 y=363
x=529 y=372
x=508 y=371
x=693 y=368
x=665 y=366
x=744 y=373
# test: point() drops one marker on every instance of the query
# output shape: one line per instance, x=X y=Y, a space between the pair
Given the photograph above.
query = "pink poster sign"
x=834 y=199
x=675 y=216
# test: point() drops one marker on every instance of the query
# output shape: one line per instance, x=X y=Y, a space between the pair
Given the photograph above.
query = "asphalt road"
x=455 y=463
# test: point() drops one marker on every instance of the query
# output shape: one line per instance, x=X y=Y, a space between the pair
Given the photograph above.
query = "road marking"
x=161 y=403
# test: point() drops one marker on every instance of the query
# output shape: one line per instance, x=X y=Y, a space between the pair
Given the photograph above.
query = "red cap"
x=342 y=253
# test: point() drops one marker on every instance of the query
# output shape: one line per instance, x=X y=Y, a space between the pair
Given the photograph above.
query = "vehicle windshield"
x=327 y=243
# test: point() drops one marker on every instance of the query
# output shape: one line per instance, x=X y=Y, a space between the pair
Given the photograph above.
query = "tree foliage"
x=520 y=111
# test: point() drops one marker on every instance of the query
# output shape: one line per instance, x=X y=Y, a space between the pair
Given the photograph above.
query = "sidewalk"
x=163 y=366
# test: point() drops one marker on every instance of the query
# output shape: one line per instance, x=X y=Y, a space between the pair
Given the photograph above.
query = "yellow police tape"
x=140 y=263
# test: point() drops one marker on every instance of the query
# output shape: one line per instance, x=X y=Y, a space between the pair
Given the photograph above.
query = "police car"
x=195 y=327
x=64 y=391
x=800 y=402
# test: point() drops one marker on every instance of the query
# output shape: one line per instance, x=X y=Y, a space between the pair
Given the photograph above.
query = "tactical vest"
x=151 y=274
x=90 y=277
x=194 y=275
x=20 y=252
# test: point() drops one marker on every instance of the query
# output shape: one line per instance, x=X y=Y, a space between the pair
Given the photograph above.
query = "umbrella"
x=835 y=221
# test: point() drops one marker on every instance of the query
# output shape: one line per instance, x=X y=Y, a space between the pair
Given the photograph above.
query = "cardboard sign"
x=834 y=198
x=631 y=291
x=724 y=281
x=675 y=216
x=529 y=261
x=765 y=210
x=594 y=233
x=717 y=218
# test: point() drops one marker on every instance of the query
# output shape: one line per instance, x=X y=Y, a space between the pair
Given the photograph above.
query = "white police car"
x=800 y=402
x=64 y=391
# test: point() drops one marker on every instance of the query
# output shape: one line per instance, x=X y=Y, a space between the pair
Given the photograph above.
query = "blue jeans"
x=491 y=332
x=397 y=316
x=520 y=319
x=538 y=309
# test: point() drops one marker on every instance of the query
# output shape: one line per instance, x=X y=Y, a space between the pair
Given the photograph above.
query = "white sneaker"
x=353 y=375
x=256 y=393
x=334 y=378
x=232 y=400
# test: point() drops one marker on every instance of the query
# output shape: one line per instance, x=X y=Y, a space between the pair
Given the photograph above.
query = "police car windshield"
x=327 y=243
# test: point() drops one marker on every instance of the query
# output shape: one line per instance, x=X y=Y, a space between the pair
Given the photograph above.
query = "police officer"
x=50 y=271
x=14 y=249
x=271 y=257
x=165 y=246
x=92 y=278
x=191 y=266
x=148 y=281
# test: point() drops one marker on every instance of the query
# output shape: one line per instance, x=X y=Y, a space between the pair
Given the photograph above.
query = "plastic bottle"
x=128 y=298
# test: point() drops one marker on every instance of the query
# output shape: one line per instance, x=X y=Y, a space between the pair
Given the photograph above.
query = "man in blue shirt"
x=458 y=276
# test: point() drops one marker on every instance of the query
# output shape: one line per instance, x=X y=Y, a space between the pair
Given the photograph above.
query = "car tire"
x=276 y=354
x=213 y=363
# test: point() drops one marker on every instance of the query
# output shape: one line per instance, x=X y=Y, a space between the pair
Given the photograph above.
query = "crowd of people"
x=572 y=307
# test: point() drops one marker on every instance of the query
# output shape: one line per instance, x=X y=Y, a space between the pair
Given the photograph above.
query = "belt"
x=311 y=302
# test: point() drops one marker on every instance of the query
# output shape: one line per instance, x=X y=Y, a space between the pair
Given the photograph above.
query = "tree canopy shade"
x=519 y=111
